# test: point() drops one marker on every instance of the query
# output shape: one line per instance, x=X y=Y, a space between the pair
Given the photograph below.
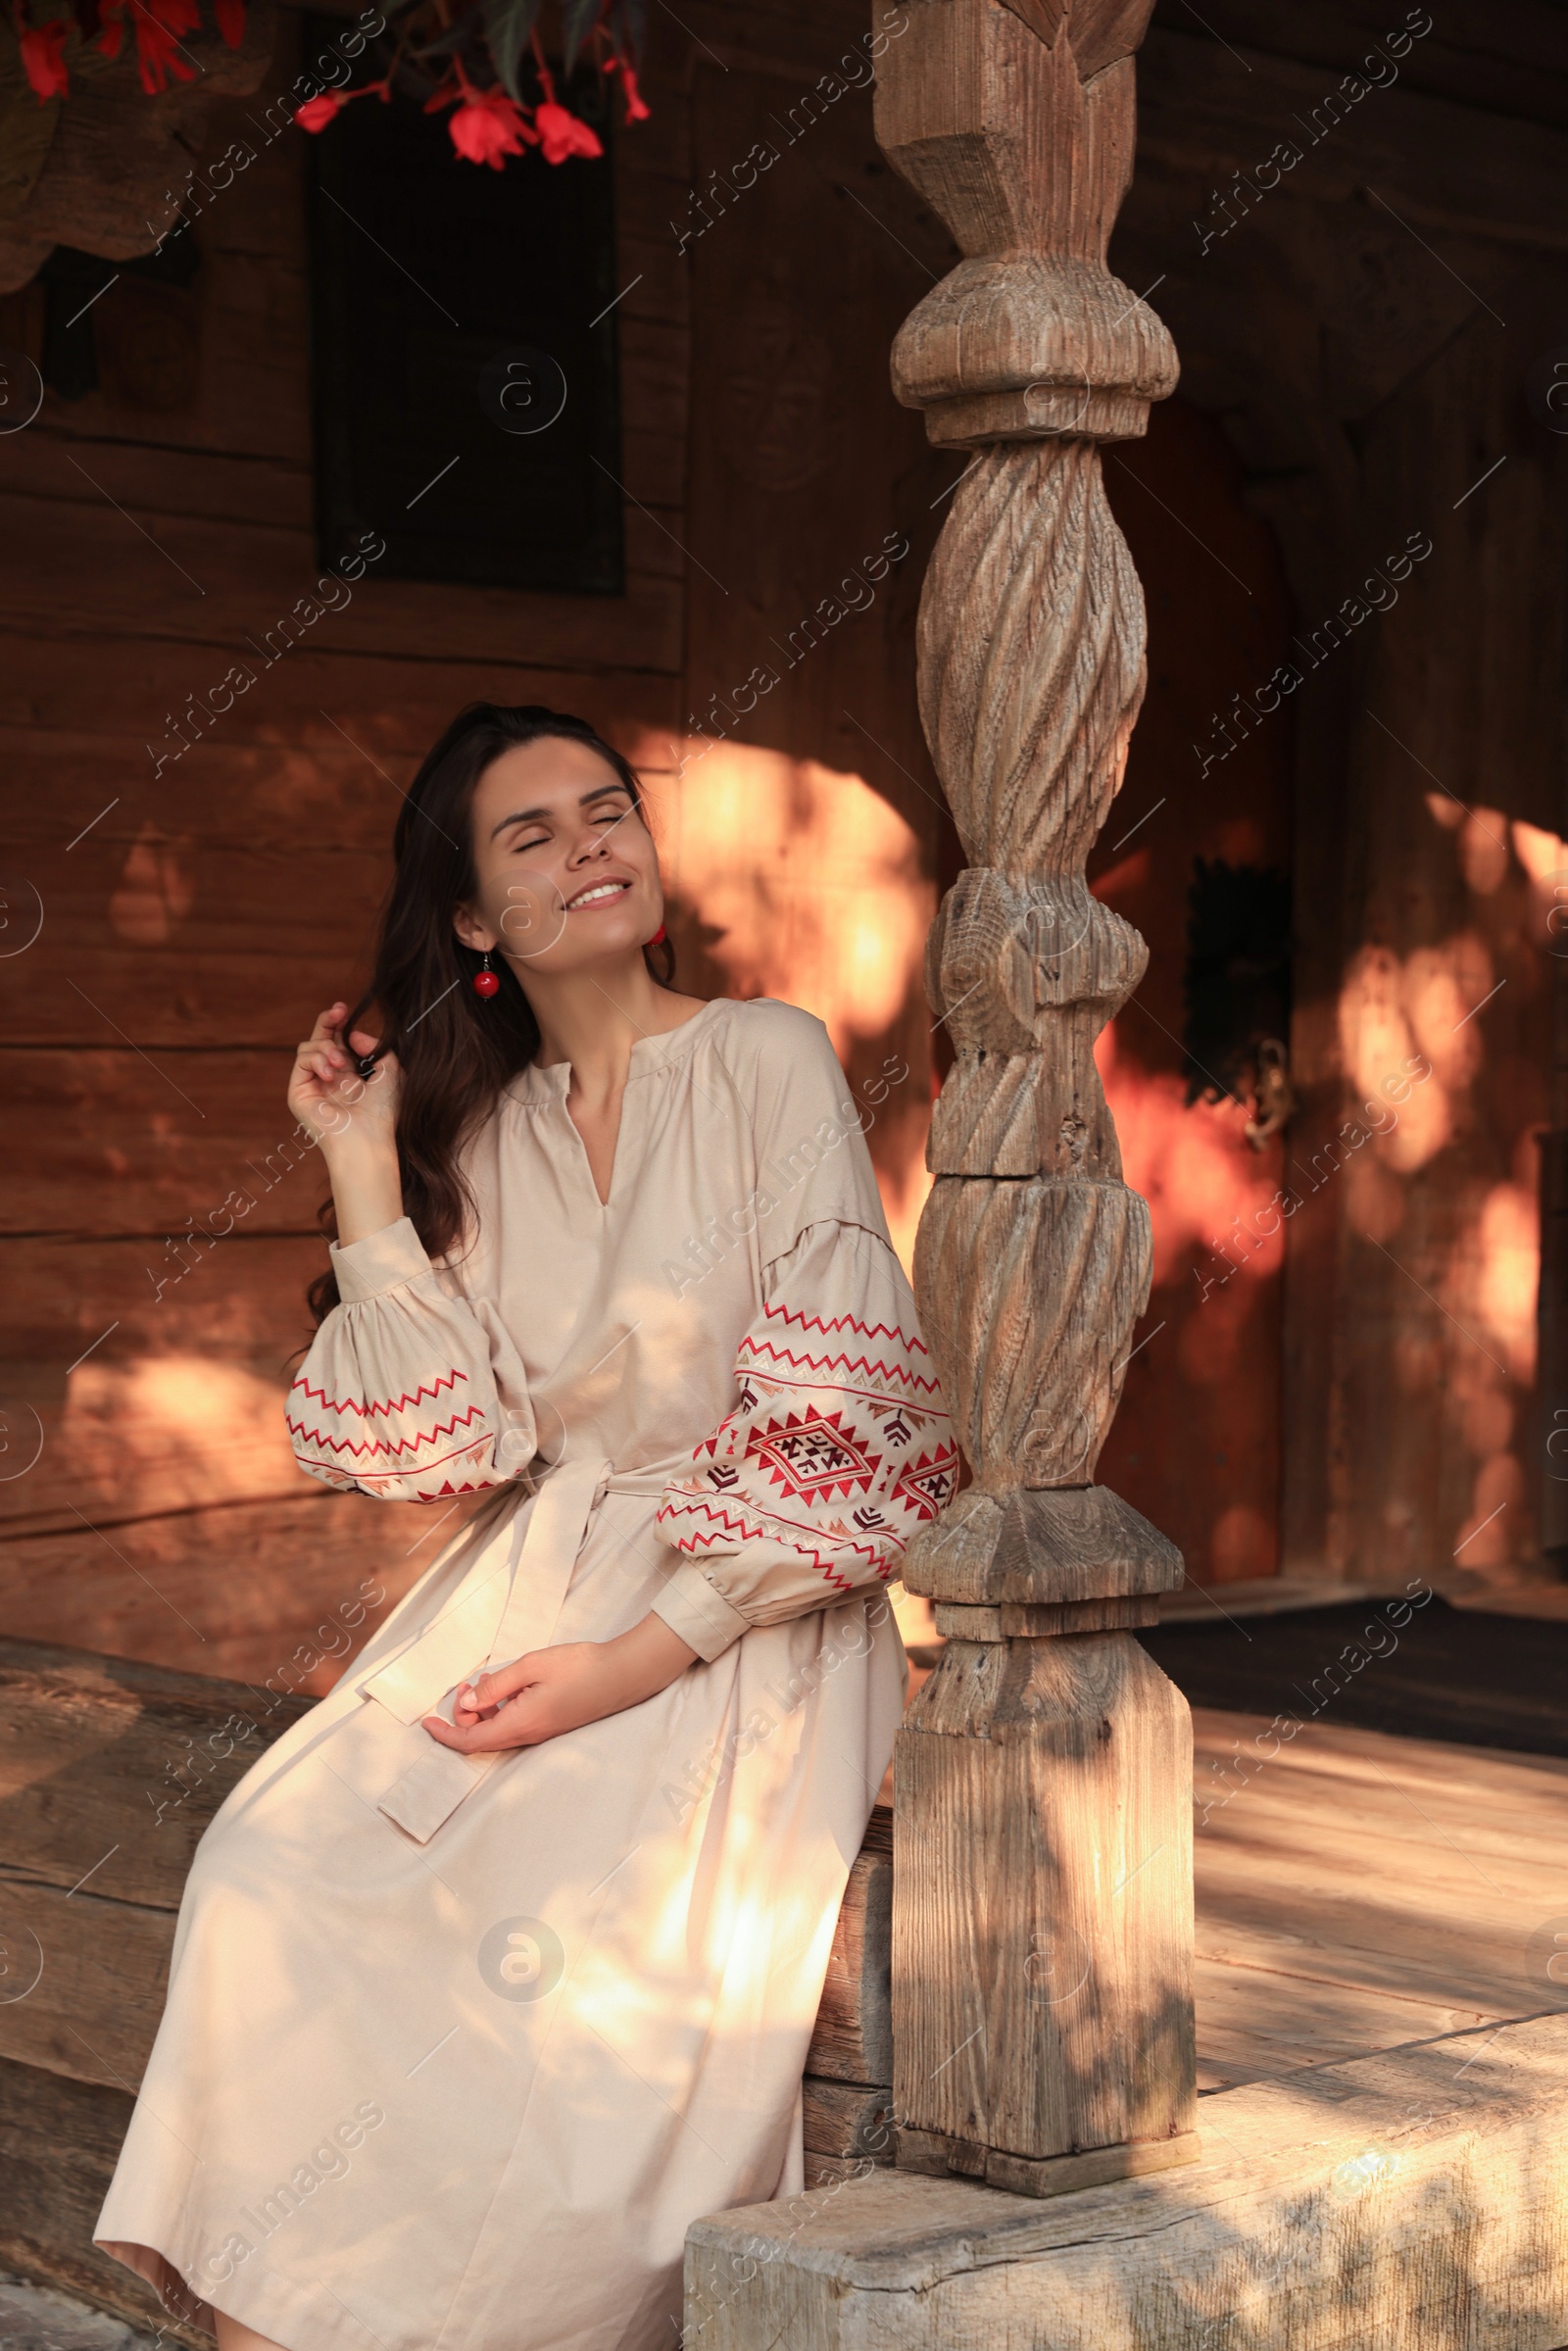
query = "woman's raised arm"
x=410 y=1391
x=354 y=1121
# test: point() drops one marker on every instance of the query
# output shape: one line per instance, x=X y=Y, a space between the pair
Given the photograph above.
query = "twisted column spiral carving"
x=1042 y=1924
x=1034 y=1257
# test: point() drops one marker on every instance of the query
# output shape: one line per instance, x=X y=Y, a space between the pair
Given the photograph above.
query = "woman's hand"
x=354 y=1120
x=327 y=1095
x=539 y=1695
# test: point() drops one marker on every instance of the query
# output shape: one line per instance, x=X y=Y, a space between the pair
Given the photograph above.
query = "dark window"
x=467 y=405
x=1238 y=978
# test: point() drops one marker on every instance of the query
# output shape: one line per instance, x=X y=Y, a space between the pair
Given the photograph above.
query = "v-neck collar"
x=549 y=1084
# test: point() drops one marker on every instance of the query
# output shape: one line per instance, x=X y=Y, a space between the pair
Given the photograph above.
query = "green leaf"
x=578 y=18
x=629 y=23
x=506 y=27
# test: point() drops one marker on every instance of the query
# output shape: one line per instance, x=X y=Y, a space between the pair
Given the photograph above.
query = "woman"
x=498 y=1968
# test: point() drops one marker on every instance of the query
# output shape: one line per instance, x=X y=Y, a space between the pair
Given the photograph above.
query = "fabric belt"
x=490 y=1619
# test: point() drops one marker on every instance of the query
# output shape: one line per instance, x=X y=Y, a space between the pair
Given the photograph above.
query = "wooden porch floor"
x=1384 y=2140
x=1358 y=1891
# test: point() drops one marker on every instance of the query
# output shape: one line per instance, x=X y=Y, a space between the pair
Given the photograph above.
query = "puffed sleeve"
x=838 y=1448
x=410 y=1390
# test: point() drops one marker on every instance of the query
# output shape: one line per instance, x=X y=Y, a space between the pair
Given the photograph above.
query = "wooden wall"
x=1359 y=1401
x=1362 y=332
x=1198 y=1440
x=196 y=916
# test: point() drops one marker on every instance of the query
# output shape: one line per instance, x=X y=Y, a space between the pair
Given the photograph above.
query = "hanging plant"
x=472 y=55
x=155 y=27
x=481 y=58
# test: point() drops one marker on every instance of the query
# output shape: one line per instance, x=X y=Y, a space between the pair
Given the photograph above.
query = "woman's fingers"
x=327 y=1080
x=520 y=1723
x=324 y=1033
x=494 y=1689
x=514 y=1706
x=320 y=1054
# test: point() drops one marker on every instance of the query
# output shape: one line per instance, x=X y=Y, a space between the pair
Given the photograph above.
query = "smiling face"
x=566 y=874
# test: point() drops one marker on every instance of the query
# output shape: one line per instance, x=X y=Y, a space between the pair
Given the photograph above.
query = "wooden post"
x=1042 y=1906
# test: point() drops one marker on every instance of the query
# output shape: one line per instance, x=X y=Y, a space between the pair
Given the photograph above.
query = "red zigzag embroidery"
x=407 y=1444
x=845 y=1322
x=393 y=1405
x=844 y=1363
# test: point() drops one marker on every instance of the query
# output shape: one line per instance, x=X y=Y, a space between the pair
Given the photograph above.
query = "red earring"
x=658 y=939
x=486 y=982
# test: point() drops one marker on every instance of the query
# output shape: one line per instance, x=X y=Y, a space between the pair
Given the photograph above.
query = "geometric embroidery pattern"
x=332 y=1438
x=813 y=1456
x=838 y=1448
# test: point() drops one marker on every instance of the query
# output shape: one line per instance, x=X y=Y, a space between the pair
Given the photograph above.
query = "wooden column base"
x=1043 y=1910
x=1032 y=1620
x=941 y=2158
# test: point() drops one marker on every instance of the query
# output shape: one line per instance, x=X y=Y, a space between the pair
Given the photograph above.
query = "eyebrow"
x=535 y=816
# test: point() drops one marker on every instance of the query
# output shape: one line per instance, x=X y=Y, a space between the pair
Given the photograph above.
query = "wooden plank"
x=651 y=257
x=180 y=1359
x=1407 y=2202
x=261 y=490
x=212 y=946
x=59 y=2142
x=1447 y=165
x=153 y=483
x=109 y=1771
x=248 y=579
x=356 y=708
x=1423 y=1949
x=1362 y=1890
x=845 y=2119
x=256 y=1590
x=1255 y=2023
x=101 y=1973
x=1331 y=1788
x=58 y=1296
x=122 y=1144
x=774 y=468
x=854 y=2037
x=1502 y=62
x=136 y=1438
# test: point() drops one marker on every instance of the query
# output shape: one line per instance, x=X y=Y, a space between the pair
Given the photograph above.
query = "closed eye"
x=608 y=806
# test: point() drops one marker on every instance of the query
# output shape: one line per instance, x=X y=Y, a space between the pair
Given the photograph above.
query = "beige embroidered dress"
x=456 y=2048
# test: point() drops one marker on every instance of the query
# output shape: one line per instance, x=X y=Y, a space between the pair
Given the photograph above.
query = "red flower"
x=230 y=15
x=111 y=26
x=488 y=126
x=637 y=109
x=563 y=133
x=316 y=113
x=157 y=51
x=41 y=45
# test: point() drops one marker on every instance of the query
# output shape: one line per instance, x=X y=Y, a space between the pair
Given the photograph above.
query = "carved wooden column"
x=1043 y=1925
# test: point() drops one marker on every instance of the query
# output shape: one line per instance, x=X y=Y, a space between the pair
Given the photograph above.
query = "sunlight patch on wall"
x=800 y=882
x=1507 y=1244
x=1392 y=1015
x=163 y=1431
x=155 y=891
x=1192 y=1165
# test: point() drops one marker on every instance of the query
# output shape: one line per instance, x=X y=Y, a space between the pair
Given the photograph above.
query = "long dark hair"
x=456 y=1049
